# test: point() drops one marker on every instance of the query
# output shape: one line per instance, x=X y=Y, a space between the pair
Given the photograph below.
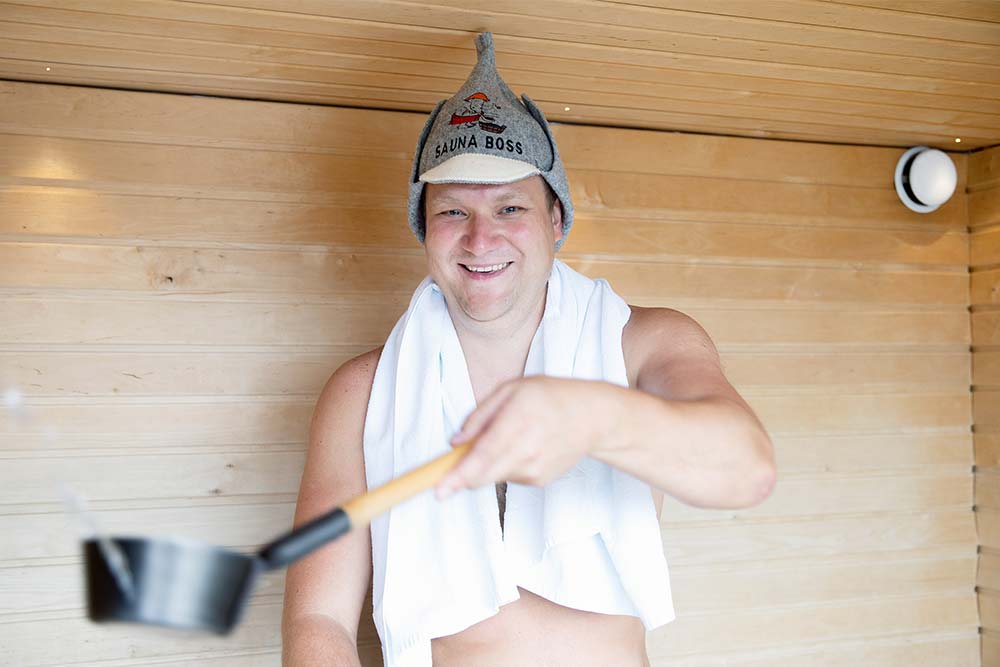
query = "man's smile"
x=481 y=271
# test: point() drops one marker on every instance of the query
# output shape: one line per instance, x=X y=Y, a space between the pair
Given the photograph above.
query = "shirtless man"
x=679 y=427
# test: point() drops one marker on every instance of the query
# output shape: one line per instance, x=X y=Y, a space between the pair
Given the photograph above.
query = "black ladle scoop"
x=185 y=584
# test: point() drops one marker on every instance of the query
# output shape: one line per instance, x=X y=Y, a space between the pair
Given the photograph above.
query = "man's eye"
x=511 y=209
x=451 y=212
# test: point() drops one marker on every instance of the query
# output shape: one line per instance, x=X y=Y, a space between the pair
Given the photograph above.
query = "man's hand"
x=681 y=427
x=531 y=430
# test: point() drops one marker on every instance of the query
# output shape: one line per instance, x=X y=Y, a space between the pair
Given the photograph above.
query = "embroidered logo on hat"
x=475 y=112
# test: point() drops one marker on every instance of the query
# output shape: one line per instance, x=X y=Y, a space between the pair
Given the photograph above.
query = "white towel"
x=588 y=540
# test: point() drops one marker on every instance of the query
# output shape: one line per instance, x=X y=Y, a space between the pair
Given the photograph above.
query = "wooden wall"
x=984 y=224
x=179 y=275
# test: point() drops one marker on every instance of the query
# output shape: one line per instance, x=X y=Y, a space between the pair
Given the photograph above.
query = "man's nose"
x=480 y=234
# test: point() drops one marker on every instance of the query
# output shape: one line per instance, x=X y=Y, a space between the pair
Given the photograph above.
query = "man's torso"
x=533 y=630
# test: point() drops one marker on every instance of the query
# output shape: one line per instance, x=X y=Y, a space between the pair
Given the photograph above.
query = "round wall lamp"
x=925 y=178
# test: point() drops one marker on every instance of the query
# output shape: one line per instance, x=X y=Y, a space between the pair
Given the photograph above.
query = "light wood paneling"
x=984 y=224
x=179 y=275
x=894 y=74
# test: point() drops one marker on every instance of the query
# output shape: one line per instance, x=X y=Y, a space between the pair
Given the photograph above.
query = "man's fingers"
x=462 y=476
x=486 y=462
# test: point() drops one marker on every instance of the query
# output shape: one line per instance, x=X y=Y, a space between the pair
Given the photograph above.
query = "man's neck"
x=497 y=351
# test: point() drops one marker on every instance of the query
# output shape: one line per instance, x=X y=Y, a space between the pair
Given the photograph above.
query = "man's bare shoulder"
x=350 y=385
x=651 y=329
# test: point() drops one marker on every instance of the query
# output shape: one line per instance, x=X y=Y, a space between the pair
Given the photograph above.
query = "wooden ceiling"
x=876 y=72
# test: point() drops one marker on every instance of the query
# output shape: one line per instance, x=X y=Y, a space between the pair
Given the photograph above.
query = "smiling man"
x=542 y=546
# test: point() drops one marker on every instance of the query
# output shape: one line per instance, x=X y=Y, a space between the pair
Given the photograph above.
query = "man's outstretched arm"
x=682 y=428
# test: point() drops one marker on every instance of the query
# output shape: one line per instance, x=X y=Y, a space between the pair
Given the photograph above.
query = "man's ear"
x=557 y=213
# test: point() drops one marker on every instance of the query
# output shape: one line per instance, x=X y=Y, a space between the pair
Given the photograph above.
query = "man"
x=581 y=410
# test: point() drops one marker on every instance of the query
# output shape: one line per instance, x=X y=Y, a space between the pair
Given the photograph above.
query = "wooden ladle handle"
x=357 y=512
x=362 y=509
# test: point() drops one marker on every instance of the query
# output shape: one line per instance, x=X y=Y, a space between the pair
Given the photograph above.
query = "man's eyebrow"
x=441 y=199
x=507 y=195
x=510 y=194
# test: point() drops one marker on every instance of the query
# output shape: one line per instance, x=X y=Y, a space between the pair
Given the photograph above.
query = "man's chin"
x=483 y=311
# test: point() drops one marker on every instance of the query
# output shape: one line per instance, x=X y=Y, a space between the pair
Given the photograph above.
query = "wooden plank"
x=807 y=455
x=55 y=536
x=812 y=537
x=811 y=454
x=705 y=590
x=751 y=629
x=190 y=476
x=988 y=571
x=984 y=245
x=760 y=242
x=223 y=372
x=616 y=149
x=986 y=369
x=985 y=327
x=46 y=318
x=984 y=207
x=205 y=475
x=828 y=496
x=850 y=372
x=988 y=527
x=85 y=164
x=170 y=270
x=259 y=629
x=925 y=18
x=988 y=488
x=75 y=216
x=987 y=446
x=266 y=657
x=872 y=412
x=109 y=423
x=31 y=591
x=51 y=538
x=274 y=322
x=984 y=169
x=58 y=590
x=989 y=609
x=991 y=647
x=235 y=372
x=631 y=194
x=929 y=648
x=106 y=423
x=986 y=410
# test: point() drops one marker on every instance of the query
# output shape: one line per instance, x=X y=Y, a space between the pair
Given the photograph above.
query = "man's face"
x=490 y=247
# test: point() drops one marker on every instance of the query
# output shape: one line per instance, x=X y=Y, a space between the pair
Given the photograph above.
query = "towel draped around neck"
x=588 y=540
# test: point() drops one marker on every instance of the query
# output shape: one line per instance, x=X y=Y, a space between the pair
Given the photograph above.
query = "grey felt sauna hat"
x=485 y=134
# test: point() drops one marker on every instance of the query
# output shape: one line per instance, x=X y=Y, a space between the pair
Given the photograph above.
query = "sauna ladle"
x=190 y=585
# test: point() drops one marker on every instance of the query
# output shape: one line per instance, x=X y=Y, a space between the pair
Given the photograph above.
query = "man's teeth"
x=486 y=269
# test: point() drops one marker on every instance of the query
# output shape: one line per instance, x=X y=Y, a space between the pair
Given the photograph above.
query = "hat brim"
x=479 y=168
